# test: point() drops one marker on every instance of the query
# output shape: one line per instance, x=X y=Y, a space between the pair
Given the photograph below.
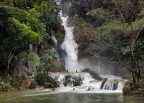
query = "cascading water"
x=70 y=47
x=83 y=82
x=74 y=80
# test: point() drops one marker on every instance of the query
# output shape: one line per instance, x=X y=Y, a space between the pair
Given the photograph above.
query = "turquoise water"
x=45 y=97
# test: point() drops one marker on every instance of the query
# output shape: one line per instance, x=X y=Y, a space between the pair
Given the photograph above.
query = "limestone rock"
x=93 y=74
x=23 y=71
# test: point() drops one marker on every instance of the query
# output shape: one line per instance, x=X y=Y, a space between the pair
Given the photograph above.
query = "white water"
x=70 y=47
x=58 y=2
x=89 y=84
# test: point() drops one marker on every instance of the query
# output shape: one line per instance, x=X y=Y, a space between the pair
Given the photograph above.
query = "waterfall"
x=70 y=47
x=73 y=79
x=68 y=51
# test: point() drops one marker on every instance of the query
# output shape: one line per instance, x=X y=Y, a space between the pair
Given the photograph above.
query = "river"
x=66 y=97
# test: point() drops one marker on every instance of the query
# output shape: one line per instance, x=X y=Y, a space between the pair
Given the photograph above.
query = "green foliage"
x=141 y=14
x=43 y=78
x=7 y=83
x=23 y=22
x=24 y=32
x=116 y=27
x=99 y=13
x=29 y=56
x=4 y=86
x=125 y=50
x=48 y=60
x=110 y=27
x=49 y=17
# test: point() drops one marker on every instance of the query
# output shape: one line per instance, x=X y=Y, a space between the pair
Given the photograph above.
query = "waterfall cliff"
x=74 y=79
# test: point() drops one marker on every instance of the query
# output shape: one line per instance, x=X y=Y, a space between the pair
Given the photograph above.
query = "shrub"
x=4 y=86
x=43 y=78
x=7 y=83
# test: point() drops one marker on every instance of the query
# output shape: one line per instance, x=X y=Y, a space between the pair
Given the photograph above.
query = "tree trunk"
x=133 y=65
x=10 y=57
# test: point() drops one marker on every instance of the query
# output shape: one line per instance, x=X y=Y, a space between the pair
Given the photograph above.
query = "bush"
x=4 y=86
x=7 y=83
x=43 y=79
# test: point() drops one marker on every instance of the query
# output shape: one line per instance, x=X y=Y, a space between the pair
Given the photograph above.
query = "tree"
x=24 y=22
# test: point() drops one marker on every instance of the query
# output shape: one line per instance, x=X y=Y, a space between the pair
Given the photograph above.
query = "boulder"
x=33 y=85
x=48 y=85
x=67 y=80
x=93 y=74
x=72 y=80
x=76 y=81
x=90 y=88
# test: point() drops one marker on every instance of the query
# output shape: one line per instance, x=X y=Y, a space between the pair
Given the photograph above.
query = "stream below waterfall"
x=40 y=96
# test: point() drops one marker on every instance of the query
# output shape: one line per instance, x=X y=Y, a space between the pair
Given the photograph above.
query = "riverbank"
x=43 y=82
x=130 y=90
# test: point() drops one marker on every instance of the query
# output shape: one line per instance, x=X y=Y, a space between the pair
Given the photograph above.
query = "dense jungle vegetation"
x=24 y=23
x=112 y=30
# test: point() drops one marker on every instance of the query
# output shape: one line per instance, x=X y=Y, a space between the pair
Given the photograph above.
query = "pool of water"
x=69 y=97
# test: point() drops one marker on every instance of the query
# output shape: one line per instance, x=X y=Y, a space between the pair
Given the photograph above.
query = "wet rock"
x=90 y=88
x=77 y=81
x=33 y=85
x=109 y=84
x=48 y=85
x=115 y=85
x=67 y=80
x=93 y=74
x=72 y=80
x=104 y=81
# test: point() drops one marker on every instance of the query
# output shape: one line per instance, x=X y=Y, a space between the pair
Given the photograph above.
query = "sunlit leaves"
x=24 y=22
x=24 y=31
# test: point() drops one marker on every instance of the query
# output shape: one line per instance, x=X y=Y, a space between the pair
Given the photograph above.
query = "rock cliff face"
x=23 y=71
x=60 y=35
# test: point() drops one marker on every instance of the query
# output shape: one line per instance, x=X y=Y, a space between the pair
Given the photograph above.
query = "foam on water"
x=89 y=84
